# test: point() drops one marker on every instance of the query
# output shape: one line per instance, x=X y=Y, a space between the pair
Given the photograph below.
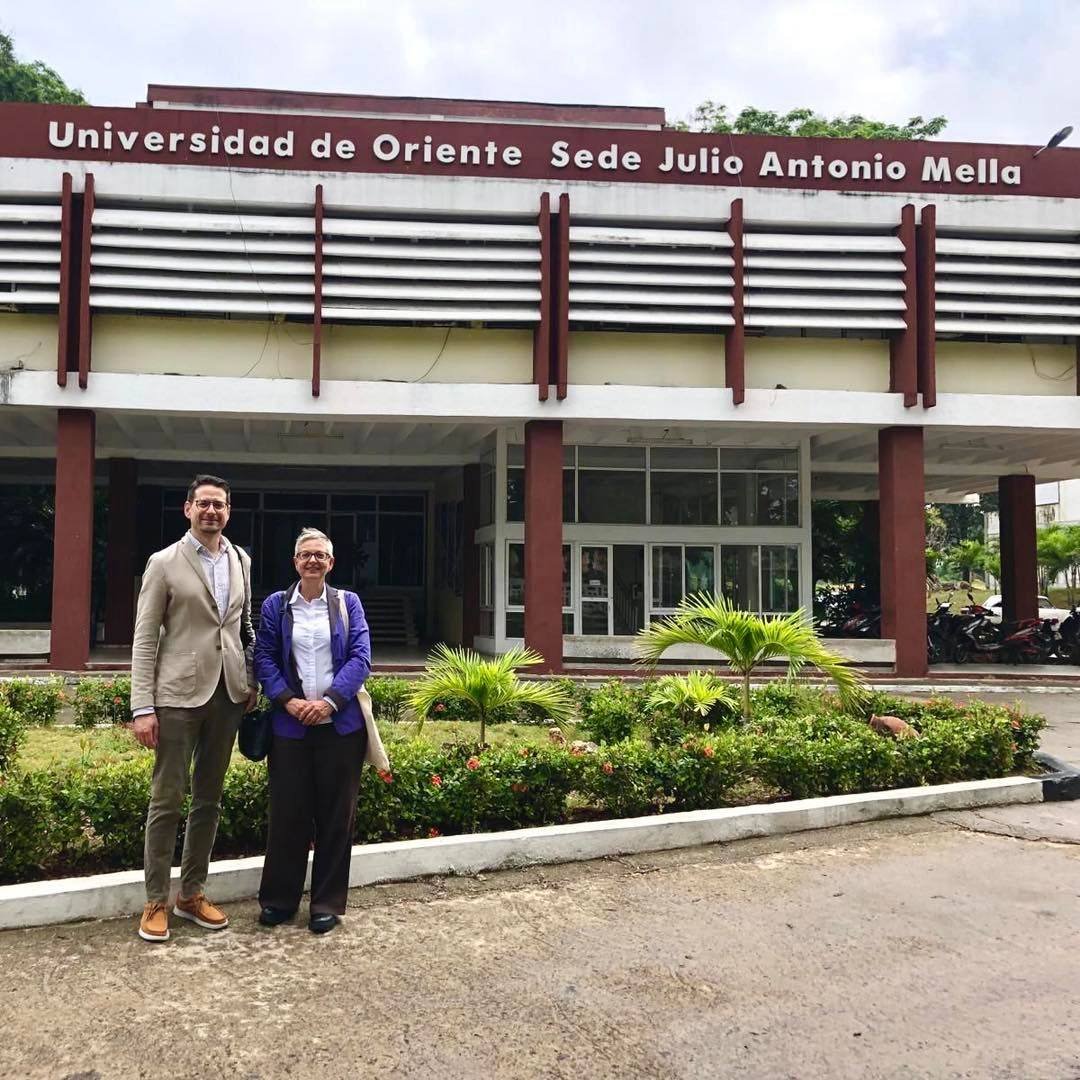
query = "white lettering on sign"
x=940 y=170
x=874 y=168
x=391 y=148
x=609 y=159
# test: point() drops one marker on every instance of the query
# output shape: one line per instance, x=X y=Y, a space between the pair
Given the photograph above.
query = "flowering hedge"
x=84 y=819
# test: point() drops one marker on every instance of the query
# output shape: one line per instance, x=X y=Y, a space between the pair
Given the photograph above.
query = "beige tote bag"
x=375 y=754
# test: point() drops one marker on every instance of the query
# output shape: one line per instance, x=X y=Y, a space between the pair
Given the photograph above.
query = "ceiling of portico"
x=958 y=461
x=32 y=433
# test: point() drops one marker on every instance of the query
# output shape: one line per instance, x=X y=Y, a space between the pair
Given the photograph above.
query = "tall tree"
x=32 y=80
x=712 y=117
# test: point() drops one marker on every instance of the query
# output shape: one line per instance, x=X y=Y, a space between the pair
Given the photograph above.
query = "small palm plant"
x=746 y=640
x=693 y=697
x=486 y=685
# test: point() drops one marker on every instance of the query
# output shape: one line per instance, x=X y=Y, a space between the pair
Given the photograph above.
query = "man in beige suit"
x=191 y=679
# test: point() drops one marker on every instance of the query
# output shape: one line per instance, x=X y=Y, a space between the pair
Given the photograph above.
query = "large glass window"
x=759 y=487
x=611 y=485
x=761 y=577
x=679 y=571
x=515 y=590
x=515 y=484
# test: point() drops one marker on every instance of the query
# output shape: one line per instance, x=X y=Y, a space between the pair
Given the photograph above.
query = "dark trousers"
x=314 y=782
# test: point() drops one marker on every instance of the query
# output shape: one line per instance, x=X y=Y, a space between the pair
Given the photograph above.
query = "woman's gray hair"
x=313 y=534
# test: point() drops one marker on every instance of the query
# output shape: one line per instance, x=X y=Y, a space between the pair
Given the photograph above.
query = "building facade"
x=541 y=371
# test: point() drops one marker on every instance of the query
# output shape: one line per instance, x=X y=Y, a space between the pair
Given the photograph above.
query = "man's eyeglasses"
x=318 y=556
x=211 y=504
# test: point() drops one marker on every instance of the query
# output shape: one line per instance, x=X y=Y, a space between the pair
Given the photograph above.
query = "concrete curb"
x=41 y=903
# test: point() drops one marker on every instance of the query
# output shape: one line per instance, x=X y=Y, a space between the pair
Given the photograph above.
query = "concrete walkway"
x=933 y=947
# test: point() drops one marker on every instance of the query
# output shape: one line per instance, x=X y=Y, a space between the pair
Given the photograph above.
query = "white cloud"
x=999 y=69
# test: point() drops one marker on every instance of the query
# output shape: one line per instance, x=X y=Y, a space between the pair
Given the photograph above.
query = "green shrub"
x=610 y=712
x=695 y=702
x=37 y=701
x=12 y=736
x=89 y=815
x=389 y=697
x=102 y=701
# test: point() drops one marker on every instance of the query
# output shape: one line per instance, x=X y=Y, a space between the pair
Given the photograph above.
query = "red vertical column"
x=735 y=338
x=120 y=552
x=543 y=540
x=562 y=300
x=73 y=539
x=542 y=333
x=903 y=347
x=470 y=556
x=926 y=286
x=1019 y=566
x=903 y=545
x=317 y=290
x=65 y=334
x=85 y=325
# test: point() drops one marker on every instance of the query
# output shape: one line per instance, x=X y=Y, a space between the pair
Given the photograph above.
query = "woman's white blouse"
x=311 y=645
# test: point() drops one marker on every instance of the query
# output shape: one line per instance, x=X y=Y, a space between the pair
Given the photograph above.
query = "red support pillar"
x=470 y=556
x=903 y=545
x=903 y=347
x=85 y=324
x=735 y=338
x=317 y=297
x=66 y=333
x=73 y=539
x=543 y=540
x=1019 y=566
x=120 y=552
x=542 y=333
x=926 y=287
x=562 y=300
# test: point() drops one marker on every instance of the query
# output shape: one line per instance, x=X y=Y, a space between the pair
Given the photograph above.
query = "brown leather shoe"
x=201 y=912
x=154 y=924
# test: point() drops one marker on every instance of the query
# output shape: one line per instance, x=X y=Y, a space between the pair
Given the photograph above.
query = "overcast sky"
x=1000 y=70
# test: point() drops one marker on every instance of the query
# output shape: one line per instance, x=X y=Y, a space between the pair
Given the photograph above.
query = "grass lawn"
x=100 y=746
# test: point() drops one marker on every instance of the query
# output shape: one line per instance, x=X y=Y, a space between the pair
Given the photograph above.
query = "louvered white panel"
x=203 y=263
x=839 y=281
x=642 y=278
x=1007 y=288
x=431 y=271
x=29 y=256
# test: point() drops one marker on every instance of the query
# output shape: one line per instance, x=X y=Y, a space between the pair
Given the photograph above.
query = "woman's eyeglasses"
x=318 y=556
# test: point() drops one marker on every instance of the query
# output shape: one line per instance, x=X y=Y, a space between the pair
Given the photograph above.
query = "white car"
x=1046 y=609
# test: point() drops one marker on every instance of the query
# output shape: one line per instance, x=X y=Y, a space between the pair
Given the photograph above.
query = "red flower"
x=472 y=764
x=608 y=767
x=1016 y=725
x=519 y=787
x=433 y=832
x=439 y=707
x=386 y=776
x=708 y=751
x=577 y=751
x=436 y=780
x=524 y=751
x=116 y=700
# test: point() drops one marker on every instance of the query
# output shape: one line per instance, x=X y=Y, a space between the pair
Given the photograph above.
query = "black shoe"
x=274 y=916
x=322 y=924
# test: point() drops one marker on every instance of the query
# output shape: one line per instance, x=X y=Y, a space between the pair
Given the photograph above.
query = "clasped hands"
x=309 y=712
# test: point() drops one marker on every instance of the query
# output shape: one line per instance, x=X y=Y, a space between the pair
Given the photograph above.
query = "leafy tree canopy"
x=32 y=80
x=711 y=117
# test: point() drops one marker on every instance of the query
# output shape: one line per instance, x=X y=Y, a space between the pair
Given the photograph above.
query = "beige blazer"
x=181 y=646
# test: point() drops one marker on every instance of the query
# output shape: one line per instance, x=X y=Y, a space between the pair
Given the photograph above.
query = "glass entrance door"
x=595 y=579
x=628 y=589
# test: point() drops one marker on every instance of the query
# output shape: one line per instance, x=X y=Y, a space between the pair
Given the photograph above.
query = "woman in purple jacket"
x=312 y=654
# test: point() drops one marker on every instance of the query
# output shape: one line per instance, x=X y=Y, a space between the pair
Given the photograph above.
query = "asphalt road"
x=934 y=947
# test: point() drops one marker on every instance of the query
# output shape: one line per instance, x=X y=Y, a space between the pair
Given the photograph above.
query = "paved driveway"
x=918 y=948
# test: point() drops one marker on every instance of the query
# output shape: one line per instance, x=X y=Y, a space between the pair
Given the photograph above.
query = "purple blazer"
x=276 y=670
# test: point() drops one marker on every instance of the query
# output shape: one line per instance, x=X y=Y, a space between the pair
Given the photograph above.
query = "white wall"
x=817 y=363
x=29 y=340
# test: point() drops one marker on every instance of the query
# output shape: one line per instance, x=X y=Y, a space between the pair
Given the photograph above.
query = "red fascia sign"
x=321 y=144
